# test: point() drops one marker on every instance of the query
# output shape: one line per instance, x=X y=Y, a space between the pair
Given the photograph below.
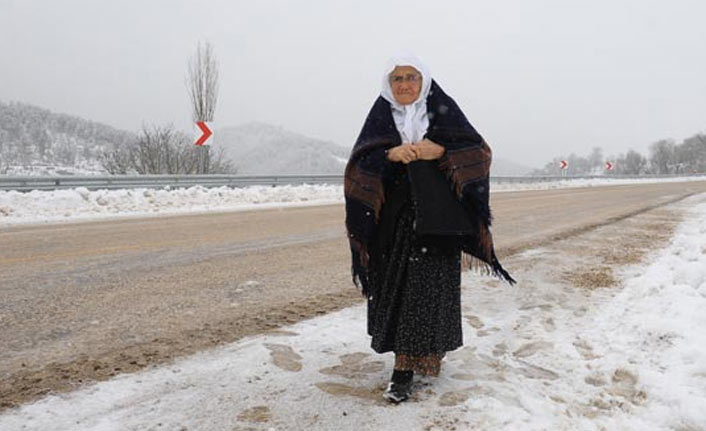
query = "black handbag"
x=437 y=209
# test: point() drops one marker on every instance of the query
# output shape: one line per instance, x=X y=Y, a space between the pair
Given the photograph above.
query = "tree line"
x=665 y=157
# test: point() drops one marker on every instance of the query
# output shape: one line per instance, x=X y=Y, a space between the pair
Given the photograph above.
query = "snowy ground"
x=81 y=204
x=544 y=355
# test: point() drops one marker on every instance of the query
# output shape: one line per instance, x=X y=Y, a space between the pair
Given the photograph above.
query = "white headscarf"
x=411 y=120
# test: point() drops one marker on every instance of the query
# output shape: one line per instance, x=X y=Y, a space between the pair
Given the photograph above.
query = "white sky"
x=538 y=79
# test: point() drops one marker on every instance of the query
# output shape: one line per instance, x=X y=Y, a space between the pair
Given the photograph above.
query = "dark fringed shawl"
x=466 y=164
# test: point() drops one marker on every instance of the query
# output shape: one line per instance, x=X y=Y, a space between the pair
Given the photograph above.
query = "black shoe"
x=397 y=392
x=400 y=386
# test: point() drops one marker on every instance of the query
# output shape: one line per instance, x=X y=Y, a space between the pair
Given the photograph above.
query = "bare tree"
x=595 y=160
x=5 y=150
x=220 y=163
x=118 y=161
x=690 y=155
x=662 y=157
x=202 y=83
x=634 y=163
x=161 y=150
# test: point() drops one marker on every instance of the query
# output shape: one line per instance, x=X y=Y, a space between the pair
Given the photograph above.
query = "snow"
x=81 y=204
x=628 y=358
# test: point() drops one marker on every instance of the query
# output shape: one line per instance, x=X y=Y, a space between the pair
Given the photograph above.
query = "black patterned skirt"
x=414 y=308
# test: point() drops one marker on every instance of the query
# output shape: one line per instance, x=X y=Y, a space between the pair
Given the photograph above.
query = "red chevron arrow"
x=608 y=165
x=564 y=164
x=206 y=133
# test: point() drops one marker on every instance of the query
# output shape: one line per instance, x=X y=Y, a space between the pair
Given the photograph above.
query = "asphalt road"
x=87 y=301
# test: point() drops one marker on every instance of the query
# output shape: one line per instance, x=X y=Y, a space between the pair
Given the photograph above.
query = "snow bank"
x=586 y=182
x=81 y=204
x=659 y=321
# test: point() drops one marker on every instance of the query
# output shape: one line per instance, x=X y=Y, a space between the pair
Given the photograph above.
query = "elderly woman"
x=412 y=280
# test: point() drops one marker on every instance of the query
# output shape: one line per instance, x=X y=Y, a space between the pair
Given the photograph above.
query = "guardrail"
x=158 y=181
x=25 y=184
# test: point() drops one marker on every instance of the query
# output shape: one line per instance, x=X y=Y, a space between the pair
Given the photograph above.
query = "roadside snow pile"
x=659 y=322
x=82 y=204
x=584 y=182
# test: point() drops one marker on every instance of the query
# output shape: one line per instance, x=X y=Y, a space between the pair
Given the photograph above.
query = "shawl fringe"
x=490 y=269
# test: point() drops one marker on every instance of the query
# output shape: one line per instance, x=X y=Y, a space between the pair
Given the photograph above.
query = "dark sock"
x=399 y=376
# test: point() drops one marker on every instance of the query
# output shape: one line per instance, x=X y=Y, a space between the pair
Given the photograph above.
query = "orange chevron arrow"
x=206 y=133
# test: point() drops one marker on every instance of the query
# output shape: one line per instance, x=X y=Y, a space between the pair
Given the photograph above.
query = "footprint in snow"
x=543 y=307
x=521 y=322
x=585 y=350
x=549 y=324
x=595 y=379
x=475 y=321
x=534 y=372
x=342 y=390
x=354 y=366
x=486 y=332
x=499 y=349
x=624 y=384
x=257 y=414
x=530 y=349
x=284 y=357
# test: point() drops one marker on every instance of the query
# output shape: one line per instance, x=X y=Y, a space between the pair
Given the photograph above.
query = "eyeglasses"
x=410 y=77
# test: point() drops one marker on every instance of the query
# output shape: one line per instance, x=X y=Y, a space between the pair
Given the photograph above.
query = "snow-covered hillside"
x=506 y=168
x=264 y=149
x=36 y=141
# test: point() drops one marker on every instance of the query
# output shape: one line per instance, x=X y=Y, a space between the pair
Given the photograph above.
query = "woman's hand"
x=404 y=153
x=427 y=149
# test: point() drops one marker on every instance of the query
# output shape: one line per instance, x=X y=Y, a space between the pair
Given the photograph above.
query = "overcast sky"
x=537 y=78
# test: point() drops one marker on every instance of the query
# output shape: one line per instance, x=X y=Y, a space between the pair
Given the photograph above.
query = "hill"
x=507 y=168
x=264 y=149
x=34 y=140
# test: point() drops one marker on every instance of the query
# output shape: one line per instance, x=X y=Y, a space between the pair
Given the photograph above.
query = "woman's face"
x=406 y=83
